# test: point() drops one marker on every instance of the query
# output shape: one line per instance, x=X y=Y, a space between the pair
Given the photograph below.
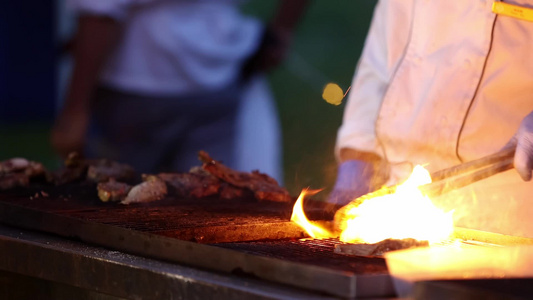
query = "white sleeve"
x=115 y=9
x=383 y=50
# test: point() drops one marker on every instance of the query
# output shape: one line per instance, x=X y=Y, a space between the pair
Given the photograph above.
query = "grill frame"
x=70 y=216
x=17 y=210
x=43 y=266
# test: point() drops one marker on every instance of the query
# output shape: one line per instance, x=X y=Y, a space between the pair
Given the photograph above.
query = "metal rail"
x=75 y=269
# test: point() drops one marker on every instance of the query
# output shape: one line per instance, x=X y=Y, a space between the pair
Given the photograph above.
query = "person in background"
x=440 y=83
x=155 y=81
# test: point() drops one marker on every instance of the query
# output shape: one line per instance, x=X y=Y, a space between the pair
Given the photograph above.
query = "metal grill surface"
x=164 y=229
x=253 y=237
x=312 y=251
x=199 y=220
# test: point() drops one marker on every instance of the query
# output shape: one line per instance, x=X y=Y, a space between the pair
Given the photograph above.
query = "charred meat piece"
x=153 y=188
x=96 y=170
x=18 y=172
x=112 y=190
x=378 y=249
x=102 y=170
x=195 y=185
x=263 y=186
x=75 y=170
x=35 y=169
x=228 y=192
x=9 y=181
x=393 y=244
x=14 y=165
x=67 y=175
x=74 y=159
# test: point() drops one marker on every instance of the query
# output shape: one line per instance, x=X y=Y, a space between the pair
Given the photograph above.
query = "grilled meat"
x=197 y=185
x=67 y=175
x=75 y=169
x=9 y=181
x=18 y=172
x=378 y=249
x=152 y=189
x=96 y=170
x=102 y=170
x=13 y=165
x=228 y=191
x=112 y=190
x=23 y=165
x=394 y=244
x=263 y=186
x=115 y=181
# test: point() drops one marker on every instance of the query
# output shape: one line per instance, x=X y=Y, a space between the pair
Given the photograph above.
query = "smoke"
x=500 y=204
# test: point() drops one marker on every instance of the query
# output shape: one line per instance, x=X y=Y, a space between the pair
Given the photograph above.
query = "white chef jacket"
x=439 y=83
x=173 y=47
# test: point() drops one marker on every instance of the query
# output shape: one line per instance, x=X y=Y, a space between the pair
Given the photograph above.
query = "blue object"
x=354 y=178
x=27 y=60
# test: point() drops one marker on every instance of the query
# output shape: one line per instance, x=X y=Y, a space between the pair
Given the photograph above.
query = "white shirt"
x=441 y=82
x=173 y=47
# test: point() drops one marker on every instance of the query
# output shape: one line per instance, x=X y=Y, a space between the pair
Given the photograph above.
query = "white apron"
x=440 y=83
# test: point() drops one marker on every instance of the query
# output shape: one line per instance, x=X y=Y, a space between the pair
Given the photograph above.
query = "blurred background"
x=326 y=48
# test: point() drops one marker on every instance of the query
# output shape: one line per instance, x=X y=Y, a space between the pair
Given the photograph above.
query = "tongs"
x=443 y=181
x=447 y=180
x=458 y=176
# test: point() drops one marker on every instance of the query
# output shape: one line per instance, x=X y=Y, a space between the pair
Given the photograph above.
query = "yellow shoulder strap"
x=514 y=11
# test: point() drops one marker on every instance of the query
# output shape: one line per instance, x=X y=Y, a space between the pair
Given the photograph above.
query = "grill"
x=204 y=221
x=231 y=236
x=314 y=252
x=238 y=237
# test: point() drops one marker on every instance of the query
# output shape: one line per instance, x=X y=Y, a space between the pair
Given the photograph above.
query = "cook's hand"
x=69 y=131
x=355 y=178
x=271 y=52
x=275 y=48
x=523 y=139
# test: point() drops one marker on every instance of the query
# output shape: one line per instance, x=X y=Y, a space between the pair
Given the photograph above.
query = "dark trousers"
x=161 y=134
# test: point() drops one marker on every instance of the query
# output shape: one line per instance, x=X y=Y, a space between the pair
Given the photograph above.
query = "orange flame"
x=407 y=213
x=298 y=217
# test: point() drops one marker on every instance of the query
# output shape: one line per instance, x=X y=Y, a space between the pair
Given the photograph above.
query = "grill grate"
x=227 y=224
x=318 y=252
x=188 y=219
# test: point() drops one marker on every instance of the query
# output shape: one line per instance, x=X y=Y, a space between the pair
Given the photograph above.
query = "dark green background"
x=326 y=48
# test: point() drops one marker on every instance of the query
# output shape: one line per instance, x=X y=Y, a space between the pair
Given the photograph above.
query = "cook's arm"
x=288 y=14
x=94 y=40
x=277 y=37
x=384 y=49
x=357 y=149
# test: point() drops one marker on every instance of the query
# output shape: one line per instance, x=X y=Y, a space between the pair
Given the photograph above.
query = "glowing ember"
x=298 y=217
x=407 y=213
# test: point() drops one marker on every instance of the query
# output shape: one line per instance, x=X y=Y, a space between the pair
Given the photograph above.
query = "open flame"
x=406 y=213
x=298 y=217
